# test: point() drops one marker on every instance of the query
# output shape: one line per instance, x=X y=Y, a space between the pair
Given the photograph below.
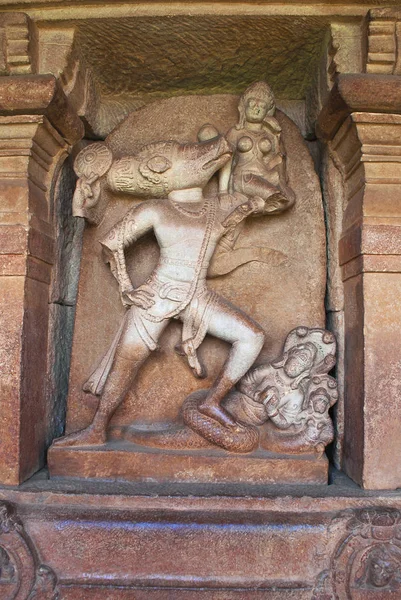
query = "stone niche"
x=139 y=77
x=159 y=511
x=282 y=290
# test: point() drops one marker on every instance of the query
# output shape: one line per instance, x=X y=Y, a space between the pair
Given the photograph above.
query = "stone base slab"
x=131 y=462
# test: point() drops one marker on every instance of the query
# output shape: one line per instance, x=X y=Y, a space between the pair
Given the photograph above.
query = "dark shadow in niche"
x=62 y=299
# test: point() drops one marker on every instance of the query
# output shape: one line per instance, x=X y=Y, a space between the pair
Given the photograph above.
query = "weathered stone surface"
x=17 y=46
x=22 y=575
x=204 y=54
x=11 y=312
x=333 y=198
x=382 y=321
x=39 y=94
x=117 y=538
x=359 y=93
x=384 y=36
x=197 y=54
x=138 y=463
x=335 y=323
x=62 y=298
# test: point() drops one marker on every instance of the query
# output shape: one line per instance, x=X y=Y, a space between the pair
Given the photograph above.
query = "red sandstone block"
x=13 y=239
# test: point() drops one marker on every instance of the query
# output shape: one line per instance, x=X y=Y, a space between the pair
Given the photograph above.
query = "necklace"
x=196 y=214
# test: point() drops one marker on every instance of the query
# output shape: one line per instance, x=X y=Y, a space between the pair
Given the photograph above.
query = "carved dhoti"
x=167 y=296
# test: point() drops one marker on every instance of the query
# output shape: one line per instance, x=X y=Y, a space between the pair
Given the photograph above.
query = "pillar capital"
x=40 y=95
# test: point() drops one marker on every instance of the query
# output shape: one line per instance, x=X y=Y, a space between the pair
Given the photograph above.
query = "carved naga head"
x=307 y=352
x=162 y=167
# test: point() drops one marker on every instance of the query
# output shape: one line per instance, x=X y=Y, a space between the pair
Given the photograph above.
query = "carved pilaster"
x=362 y=124
x=37 y=128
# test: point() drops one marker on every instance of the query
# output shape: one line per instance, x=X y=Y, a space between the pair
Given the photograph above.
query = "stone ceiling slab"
x=150 y=58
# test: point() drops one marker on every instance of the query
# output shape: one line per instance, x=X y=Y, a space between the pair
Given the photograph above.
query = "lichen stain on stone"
x=154 y=58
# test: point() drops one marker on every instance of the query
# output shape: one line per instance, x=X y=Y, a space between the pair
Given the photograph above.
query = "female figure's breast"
x=252 y=154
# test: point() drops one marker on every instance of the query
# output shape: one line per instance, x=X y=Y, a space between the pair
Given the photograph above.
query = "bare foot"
x=86 y=437
x=216 y=412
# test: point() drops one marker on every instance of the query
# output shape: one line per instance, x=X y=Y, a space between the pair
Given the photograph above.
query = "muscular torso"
x=187 y=241
x=182 y=242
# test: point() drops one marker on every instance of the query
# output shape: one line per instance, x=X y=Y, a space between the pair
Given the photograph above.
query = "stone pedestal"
x=132 y=462
x=188 y=542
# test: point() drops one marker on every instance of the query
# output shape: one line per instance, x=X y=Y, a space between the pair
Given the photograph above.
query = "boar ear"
x=158 y=164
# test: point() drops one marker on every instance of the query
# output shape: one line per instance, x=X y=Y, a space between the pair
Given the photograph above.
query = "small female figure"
x=257 y=168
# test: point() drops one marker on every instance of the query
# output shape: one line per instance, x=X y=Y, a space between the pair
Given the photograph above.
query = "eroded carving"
x=384 y=37
x=367 y=560
x=7 y=569
x=91 y=163
x=22 y=576
x=45 y=587
x=17 y=44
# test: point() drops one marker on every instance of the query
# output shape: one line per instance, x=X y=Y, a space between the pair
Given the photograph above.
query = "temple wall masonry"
x=200 y=316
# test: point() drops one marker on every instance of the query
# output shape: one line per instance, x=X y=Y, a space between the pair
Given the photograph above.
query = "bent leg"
x=277 y=197
x=254 y=185
x=246 y=337
x=131 y=353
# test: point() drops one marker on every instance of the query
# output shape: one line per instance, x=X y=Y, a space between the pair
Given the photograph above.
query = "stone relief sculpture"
x=381 y=568
x=90 y=166
x=280 y=406
x=187 y=227
x=256 y=169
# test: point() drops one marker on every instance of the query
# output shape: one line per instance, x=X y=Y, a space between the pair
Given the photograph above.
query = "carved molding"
x=384 y=40
x=22 y=576
x=16 y=44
